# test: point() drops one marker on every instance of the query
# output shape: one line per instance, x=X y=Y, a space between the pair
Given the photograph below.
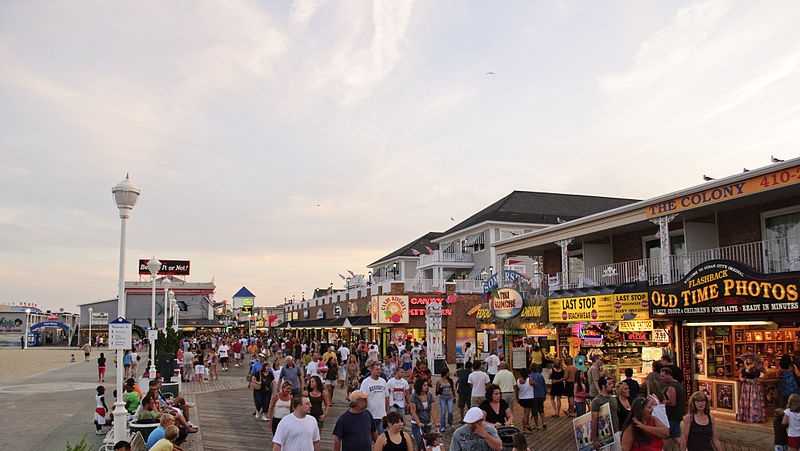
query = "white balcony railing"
x=443 y=258
x=469 y=286
x=763 y=256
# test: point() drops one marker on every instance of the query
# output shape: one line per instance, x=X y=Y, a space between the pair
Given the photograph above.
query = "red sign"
x=416 y=301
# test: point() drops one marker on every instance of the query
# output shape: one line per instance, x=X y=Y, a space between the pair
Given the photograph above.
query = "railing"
x=763 y=256
x=445 y=257
x=469 y=286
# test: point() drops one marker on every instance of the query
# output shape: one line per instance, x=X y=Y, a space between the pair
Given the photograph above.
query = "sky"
x=278 y=144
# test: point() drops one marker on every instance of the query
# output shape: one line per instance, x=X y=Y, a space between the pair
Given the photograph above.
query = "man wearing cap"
x=475 y=434
x=355 y=430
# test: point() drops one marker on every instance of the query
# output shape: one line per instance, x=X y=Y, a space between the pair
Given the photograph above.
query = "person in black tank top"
x=394 y=438
x=698 y=431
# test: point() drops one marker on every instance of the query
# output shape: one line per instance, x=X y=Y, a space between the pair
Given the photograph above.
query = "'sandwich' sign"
x=723 y=287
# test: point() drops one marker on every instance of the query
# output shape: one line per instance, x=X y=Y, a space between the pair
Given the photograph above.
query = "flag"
x=415 y=252
x=430 y=251
x=351 y=273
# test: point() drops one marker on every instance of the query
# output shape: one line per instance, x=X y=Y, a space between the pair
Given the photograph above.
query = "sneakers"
x=264 y=417
x=99 y=432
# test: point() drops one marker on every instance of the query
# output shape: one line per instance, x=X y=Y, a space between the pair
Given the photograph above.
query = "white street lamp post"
x=90 y=325
x=165 y=284
x=27 y=324
x=125 y=196
x=153 y=266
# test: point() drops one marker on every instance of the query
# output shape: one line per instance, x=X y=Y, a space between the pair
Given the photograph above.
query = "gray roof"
x=418 y=245
x=541 y=208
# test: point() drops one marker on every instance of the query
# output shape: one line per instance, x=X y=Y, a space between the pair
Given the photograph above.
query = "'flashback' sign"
x=722 y=287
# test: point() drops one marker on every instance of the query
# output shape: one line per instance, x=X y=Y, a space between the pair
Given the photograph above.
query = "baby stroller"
x=507 y=434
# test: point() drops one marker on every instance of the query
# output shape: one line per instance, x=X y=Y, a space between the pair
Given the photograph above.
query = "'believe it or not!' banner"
x=168 y=268
x=723 y=287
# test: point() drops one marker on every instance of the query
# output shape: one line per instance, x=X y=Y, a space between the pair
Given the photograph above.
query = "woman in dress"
x=556 y=387
x=320 y=402
x=698 y=432
x=751 y=403
x=642 y=431
x=352 y=374
x=330 y=376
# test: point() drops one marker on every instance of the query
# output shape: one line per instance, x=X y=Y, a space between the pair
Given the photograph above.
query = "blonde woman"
x=698 y=432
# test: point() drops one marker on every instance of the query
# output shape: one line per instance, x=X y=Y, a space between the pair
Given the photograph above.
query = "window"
x=781 y=233
x=677 y=245
x=474 y=243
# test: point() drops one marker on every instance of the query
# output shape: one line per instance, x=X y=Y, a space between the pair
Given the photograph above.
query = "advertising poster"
x=582 y=430
x=463 y=336
x=389 y=309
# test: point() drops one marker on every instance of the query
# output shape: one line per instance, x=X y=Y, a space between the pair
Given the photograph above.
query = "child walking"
x=791 y=419
x=100 y=410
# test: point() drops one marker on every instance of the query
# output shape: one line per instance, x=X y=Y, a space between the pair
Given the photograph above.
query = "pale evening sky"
x=238 y=118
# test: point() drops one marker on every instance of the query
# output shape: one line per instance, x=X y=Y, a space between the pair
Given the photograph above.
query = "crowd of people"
x=391 y=397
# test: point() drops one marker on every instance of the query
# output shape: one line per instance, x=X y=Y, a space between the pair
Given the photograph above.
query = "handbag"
x=254 y=384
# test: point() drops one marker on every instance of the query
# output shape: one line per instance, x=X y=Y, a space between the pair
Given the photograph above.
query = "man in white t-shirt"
x=469 y=355
x=344 y=353
x=398 y=390
x=223 y=355
x=372 y=354
x=297 y=431
x=378 y=401
x=312 y=369
x=477 y=380
x=492 y=362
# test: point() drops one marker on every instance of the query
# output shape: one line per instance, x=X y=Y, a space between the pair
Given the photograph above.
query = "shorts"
x=199 y=370
x=328 y=382
x=463 y=401
x=237 y=355
x=223 y=360
x=569 y=389
x=538 y=406
x=406 y=366
x=526 y=403
x=476 y=401
x=400 y=410
x=794 y=442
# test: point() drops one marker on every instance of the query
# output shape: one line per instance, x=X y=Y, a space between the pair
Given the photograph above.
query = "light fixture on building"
x=729 y=323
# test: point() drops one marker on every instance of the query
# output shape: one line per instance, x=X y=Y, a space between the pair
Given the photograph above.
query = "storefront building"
x=672 y=246
x=728 y=314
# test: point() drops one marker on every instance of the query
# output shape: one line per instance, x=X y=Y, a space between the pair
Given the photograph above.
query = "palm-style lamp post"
x=153 y=266
x=125 y=196
x=165 y=284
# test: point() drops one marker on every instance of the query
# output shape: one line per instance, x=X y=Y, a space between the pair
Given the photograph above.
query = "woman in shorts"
x=525 y=399
x=199 y=368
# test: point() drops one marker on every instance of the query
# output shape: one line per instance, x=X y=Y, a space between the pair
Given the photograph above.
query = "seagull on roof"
x=775 y=160
x=452 y=218
x=707 y=178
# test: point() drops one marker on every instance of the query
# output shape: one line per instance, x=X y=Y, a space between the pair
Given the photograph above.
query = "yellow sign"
x=531 y=311
x=628 y=306
x=532 y=330
x=389 y=309
x=770 y=181
x=583 y=308
x=636 y=325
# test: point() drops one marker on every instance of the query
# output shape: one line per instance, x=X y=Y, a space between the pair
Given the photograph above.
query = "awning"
x=329 y=323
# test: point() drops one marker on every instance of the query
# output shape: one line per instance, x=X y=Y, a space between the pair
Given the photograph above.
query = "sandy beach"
x=16 y=364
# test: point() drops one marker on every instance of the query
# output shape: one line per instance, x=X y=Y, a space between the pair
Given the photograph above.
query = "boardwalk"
x=223 y=411
x=227 y=422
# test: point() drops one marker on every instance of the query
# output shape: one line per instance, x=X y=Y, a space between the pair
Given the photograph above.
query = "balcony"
x=763 y=256
x=446 y=259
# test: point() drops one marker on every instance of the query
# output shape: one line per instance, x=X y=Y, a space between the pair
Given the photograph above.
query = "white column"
x=120 y=414
x=152 y=370
x=564 y=244
x=499 y=269
x=663 y=240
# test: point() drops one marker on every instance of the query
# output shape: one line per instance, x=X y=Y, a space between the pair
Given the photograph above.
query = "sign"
x=152 y=335
x=245 y=304
x=417 y=305
x=531 y=312
x=776 y=179
x=582 y=308
x=389 y=309
x=534 y=331
x=168 y=267
x=660 y=336
x=628 y=306
x=723 y=287
x=505 y=303
x=337 y=311
x=519 y=358
x=10 y=325
x=636 y=325
x=637 y=336
x=120 y=334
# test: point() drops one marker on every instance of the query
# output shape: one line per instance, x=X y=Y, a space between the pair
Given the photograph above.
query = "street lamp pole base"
x=120 y=421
